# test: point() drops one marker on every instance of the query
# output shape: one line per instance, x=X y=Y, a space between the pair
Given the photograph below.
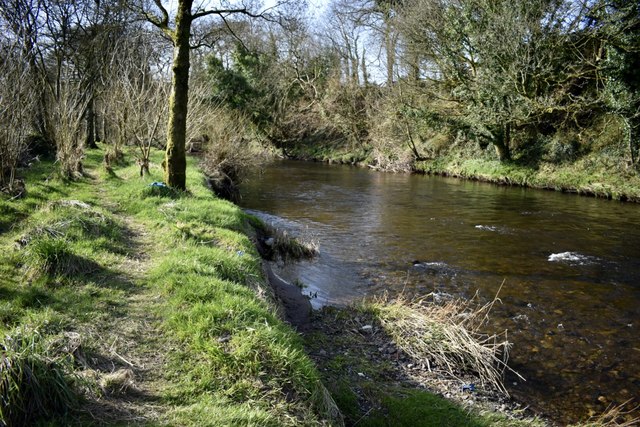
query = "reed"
x=613 y=416
x=447 y=338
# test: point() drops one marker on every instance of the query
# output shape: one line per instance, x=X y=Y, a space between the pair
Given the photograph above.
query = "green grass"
x=593 y=174
x=105 y=270
x=416 y=408
x=34 y=380
x=403 y=407
x=65 y=266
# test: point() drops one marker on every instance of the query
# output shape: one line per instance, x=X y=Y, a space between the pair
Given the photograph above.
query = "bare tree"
x=24 y=21
x=139 y=100
x=67 y=129
x=17 y=106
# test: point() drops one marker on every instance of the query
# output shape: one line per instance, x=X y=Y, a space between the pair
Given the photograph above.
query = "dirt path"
x=130 y=355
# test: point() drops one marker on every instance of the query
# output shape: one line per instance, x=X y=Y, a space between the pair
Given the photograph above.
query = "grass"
x=446 y=337
x=578 y=177
x=34 y=380
x=614 y=416
x=405 y=407
x=122 y=304
x=166 y=292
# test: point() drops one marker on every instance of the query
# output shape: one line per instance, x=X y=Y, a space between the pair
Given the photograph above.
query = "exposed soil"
x=297 y=308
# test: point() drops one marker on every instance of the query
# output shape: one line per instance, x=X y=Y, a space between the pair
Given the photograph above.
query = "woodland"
x=130 y=295
x=390 y=84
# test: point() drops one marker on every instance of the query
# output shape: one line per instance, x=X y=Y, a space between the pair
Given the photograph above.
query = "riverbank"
x=125 y=302
x=376 y=382
x=129 y=303
x=600 y=173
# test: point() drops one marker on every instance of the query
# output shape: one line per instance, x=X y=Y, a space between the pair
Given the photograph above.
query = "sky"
x=316 y=7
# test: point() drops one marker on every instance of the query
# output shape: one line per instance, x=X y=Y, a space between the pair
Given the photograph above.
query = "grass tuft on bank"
x=446 y=336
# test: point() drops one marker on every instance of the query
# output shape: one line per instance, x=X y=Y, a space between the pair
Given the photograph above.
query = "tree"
x=136 y=97
x=500 y=66
x=179 y=32
x=17 y=105
x=64 y=44
x=619 y=25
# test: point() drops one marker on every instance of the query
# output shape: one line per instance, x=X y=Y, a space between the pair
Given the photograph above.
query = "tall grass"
x=34 y=383
x=446 y=336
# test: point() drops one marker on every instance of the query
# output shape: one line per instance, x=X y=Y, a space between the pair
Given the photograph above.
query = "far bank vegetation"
x=411 y=85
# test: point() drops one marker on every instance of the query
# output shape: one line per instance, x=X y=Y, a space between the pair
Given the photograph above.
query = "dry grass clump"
x=325 y=404
x=292 y=248
x=447 y=338
x=614 y=416
x=117 y=382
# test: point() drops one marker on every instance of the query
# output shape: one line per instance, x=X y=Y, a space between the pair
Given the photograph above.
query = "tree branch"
x=224 y=12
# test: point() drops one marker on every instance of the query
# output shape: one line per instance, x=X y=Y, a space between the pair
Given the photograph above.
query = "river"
x=569 y=265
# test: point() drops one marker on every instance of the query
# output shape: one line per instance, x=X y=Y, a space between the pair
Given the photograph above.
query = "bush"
x=231 y=155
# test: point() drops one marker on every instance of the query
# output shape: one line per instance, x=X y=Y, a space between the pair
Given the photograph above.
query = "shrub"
x=231 y=155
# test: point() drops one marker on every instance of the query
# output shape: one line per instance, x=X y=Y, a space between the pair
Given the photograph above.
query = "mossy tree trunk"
x=179 y=33
x=502 y=142
x=175 y=160
x=90 y=117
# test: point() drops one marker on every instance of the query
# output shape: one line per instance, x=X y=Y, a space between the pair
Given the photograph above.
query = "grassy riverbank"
x=599 y=172
x=123 y=303
x=129 y=304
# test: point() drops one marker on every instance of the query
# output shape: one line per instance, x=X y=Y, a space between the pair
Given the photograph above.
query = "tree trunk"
x=634 y=146
x=90 y=116
x=414 y=66
x=175 y=160
x=365 y=75
x=502 y=142
x=390 y=47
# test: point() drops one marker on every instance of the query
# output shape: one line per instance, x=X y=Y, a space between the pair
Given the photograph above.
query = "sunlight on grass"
x=68 y=242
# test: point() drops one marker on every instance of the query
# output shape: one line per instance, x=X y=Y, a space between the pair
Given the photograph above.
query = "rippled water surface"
x=570 y=266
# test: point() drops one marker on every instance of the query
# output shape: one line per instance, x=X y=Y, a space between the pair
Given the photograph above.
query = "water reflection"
x=571 y=265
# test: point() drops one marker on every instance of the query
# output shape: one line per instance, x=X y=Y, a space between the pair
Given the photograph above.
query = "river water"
x=569 y=265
